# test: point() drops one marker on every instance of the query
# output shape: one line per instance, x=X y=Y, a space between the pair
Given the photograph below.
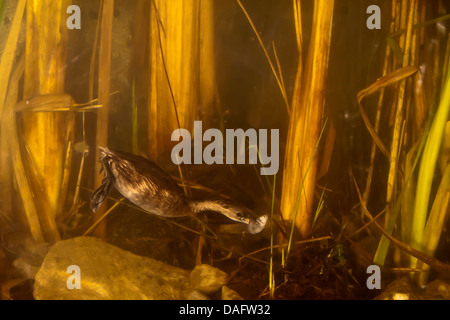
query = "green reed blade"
x=2 y=9
x=428 y=165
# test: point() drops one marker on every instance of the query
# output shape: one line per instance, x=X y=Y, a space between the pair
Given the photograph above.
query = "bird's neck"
x=205 y=205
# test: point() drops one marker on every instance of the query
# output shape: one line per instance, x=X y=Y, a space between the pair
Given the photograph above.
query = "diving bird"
x=149 y=187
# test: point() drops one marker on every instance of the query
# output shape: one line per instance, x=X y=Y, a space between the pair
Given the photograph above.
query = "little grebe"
x=149 y=187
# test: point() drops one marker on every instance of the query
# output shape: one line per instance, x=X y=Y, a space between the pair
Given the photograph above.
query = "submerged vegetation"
x=364 y=128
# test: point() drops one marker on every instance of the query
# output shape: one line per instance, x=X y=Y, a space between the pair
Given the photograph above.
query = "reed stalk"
x=305 y=122
x=208 y=99
x=9 y=51
x=104 y=88
x=2 y=9
x=387 y=57
x=46 y=37
x=399 y=116
x=174 y=71
x=9 y=129
x=6 y=64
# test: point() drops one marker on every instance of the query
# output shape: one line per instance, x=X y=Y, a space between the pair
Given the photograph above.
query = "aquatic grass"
x=381 y=83
x=258 y=175
x=269 y=60
x=327 y=151
x=427 y=167
x=300 y=192
x=414 y=144
x=280 y=73
x=435 y=224
x=76 y=194
x=55 y=103
x=407 y=199
x=319 y=208
x=271 y=273
x=297 y=8
x=446 y=63
x=400 y=32
x=102 y=217
x=434 y=263
x=2 y=10
x=412 y=225
x=282 y=246
x=67 y=166
x=383 y=245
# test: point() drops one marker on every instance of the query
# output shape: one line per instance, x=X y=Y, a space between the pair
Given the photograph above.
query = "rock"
x=197 y=295
x=399 y=289
x=405 y=289
x=438 y=289
x=107 y=272
x=207 y=278
x=230 y=294
x=25 y=268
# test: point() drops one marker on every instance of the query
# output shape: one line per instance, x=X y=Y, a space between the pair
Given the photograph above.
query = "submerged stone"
x=207 y=278
x=106 y=272
x=230 y=294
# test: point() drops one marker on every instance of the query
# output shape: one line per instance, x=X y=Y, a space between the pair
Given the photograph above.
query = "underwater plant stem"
x=399 y=116
x=46 y=46
x=9 y=128
x=94 y=54
x=300 y=192
x=306 y=124
x=435 y=224
x=104 y=85
x=134 y=116
x=100 y=219
x=271 y=275
x=208 y=99
x=2 y=9
x=387 y=56
x=298 y=24
x=186 y=188
x=383 y=245
x=269 y=60
x=428 y=165
x=8 y=54
x=436 y=264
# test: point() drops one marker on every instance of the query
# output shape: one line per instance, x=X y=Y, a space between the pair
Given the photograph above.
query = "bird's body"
x=149 y=187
